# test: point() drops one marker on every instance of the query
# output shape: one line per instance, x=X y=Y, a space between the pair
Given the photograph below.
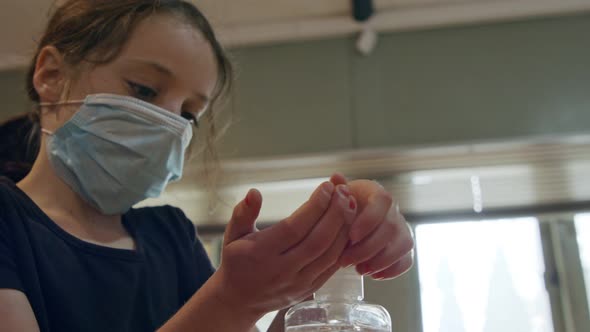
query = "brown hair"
x=95 y=31
x=16 y=158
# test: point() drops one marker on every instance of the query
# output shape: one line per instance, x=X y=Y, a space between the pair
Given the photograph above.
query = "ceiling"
x=261 y=21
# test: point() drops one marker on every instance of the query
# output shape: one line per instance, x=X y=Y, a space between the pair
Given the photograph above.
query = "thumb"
x=243 y=219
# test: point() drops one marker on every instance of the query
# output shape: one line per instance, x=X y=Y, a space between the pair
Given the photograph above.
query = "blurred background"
x=475 y=114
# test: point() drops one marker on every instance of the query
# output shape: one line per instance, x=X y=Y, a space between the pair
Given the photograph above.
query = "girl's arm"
x=16 y=313
x=207 y=311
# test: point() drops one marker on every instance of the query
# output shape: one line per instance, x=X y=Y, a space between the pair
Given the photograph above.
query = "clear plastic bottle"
x=338 y=306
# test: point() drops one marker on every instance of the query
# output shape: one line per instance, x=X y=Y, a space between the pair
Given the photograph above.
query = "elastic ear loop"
x=69 y=102
x=45 y=131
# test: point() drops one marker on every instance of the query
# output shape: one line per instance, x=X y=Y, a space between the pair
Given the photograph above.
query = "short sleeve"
x=203 y=263
x=9 y=277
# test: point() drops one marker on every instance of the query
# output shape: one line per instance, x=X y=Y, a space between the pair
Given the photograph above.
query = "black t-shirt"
x=74 y=285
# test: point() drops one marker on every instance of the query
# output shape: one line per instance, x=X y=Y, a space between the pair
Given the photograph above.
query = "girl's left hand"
x=381 y=241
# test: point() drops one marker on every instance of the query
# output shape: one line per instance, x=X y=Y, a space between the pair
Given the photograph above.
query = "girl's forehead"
x=167 y=37
x=174 y=46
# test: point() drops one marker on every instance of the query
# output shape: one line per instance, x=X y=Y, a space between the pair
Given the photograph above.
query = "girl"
x=119 y=87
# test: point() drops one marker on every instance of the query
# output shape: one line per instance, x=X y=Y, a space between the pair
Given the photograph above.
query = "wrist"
x=221 y=298
x=209 y=310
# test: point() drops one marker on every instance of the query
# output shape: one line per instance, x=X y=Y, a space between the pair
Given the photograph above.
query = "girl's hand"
x=277 y=267
x=381 y=240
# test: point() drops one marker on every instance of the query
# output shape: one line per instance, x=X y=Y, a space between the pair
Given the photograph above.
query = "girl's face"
x=164 y=62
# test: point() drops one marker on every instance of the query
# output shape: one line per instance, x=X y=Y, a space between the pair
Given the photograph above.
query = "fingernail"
x=328 y=188
x=352 y=203
x=362 y=269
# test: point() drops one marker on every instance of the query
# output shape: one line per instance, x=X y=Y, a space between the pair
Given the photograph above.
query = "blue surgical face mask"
x=117 y=151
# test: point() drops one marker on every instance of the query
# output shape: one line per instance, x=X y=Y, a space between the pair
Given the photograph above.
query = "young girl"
x=119 y=87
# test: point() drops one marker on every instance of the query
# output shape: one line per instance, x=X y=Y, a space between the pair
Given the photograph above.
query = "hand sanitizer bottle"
x=338 y=306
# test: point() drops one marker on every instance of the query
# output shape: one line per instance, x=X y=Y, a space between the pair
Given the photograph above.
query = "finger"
x=342 y=211
x=365 y=189
x=323 y=278
x=296 y=227
x=329 y=258
x=390 y=255
x=338 y=178
x=244 y=216
x=317 y=283
x=397 y=269
x=371 y=245
x=379 y=205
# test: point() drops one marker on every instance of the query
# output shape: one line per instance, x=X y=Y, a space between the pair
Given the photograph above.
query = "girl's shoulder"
x=169 y=228
x=161 y=221
x=10 y=196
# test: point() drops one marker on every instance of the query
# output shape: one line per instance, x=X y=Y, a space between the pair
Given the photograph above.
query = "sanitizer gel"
x=338 y=306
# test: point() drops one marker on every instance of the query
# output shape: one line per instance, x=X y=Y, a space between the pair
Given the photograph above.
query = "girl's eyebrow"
x=167 y=72
x=154 y=65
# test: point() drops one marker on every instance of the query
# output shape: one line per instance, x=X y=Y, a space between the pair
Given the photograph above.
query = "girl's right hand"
x=277 y=267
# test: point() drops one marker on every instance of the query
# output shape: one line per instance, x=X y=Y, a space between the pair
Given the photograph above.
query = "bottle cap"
x=345 y=284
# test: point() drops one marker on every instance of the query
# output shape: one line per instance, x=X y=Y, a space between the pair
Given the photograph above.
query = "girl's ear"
x=50 y=76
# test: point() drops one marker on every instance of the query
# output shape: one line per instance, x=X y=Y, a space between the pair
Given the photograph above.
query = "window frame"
x=564 y=277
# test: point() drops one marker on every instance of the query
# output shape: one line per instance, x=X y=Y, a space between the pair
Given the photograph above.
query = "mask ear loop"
x=61 y=103
x=47 y=132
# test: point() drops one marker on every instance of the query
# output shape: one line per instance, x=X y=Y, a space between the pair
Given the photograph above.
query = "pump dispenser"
x=338 y=306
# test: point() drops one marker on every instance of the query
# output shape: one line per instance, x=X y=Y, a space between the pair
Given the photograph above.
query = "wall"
x=458 y=84
x=13 y=93
x=423 y=87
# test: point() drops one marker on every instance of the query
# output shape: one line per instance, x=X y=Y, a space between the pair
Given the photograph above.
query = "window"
x=583 y=234
x=483 y=276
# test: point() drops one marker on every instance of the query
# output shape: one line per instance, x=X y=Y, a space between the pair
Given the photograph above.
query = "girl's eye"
x=191 y=117
x=142 y=92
